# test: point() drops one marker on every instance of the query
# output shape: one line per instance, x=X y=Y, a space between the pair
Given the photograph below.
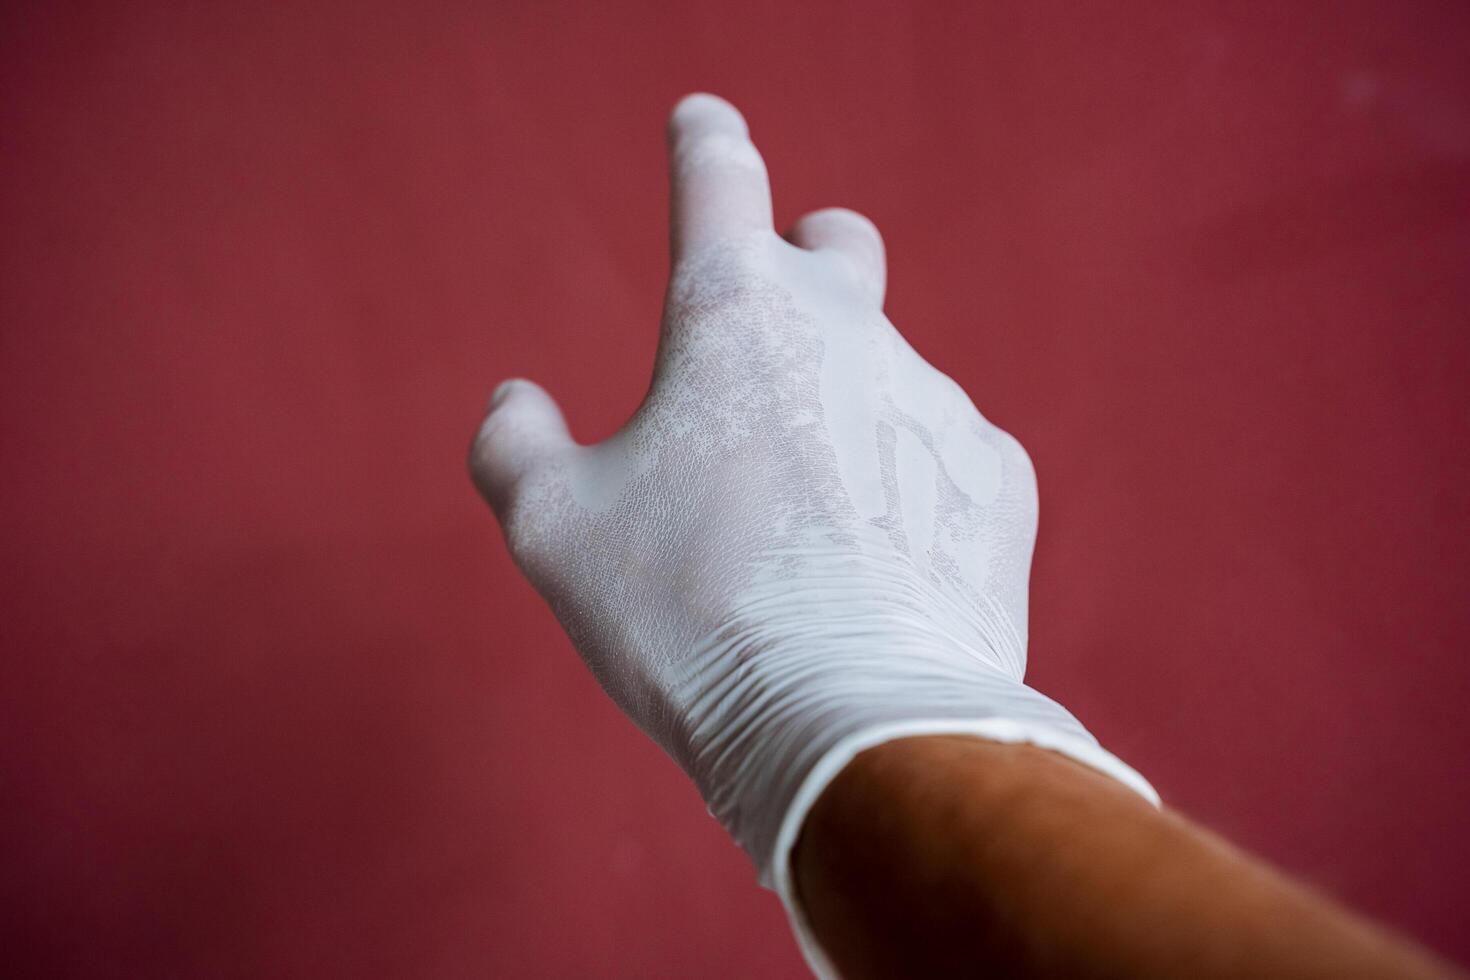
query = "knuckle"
x=524 y=537
x=534 y=517
x=1016 y=460
x=1012 y=446
x=520 y=534
x=726 y=269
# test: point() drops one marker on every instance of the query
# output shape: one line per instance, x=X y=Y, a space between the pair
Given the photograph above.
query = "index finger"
x=718 y=184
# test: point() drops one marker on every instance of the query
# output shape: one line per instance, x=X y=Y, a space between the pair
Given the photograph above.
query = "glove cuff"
x=776 y=871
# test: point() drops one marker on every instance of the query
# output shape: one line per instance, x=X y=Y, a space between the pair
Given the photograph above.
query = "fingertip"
x=705 y=113
x=500 y=394
x=523 y=428
x=851 y=235
x=524 y=403
x=852 y=218
x=829 y=226
x=719 y=186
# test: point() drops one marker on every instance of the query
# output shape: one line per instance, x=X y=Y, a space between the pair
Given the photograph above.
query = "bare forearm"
x=950 y=855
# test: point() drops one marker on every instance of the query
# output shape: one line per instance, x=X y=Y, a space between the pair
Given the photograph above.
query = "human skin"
x=947 y=856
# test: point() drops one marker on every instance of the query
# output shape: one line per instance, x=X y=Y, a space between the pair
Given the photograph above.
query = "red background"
x=275 y=702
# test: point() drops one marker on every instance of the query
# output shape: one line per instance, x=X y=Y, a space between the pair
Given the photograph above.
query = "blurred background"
x=274 y=701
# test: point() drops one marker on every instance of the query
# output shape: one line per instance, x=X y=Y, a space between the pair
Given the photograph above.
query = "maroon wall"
x=274 y=701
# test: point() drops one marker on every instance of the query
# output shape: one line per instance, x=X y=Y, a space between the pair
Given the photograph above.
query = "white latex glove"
x=806 y=541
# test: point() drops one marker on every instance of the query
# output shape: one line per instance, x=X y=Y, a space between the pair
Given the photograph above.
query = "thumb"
x=523 y=431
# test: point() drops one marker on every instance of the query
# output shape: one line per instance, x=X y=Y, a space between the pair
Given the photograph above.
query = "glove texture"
x=806 y=541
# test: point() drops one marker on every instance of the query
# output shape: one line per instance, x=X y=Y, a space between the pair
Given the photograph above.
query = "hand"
x=806 y=539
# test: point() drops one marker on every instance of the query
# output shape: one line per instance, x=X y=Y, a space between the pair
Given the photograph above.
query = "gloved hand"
x=806 y=541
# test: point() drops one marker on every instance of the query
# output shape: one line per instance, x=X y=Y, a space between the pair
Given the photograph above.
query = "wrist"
x=840 y=646
x=767 y=720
